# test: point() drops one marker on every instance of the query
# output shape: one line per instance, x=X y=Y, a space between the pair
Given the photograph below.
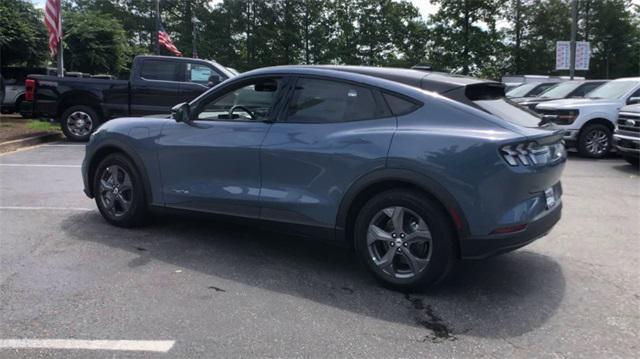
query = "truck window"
x=198 y=73
x=160 y=70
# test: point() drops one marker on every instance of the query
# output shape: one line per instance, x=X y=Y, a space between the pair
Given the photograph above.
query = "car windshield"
x=560 y=90
x=522 y=90
x=509 y=111
x=612 y=90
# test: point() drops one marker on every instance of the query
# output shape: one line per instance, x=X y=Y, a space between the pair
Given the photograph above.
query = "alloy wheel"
x=597 y=142
x=116 y=190
x=79 y=123
x=399 y=242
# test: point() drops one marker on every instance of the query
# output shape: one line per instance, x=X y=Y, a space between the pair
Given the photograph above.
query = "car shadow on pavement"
x=500 y=297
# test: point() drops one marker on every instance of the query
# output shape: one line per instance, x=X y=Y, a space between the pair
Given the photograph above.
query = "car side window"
x=160 y=70
x=251 y=101
x=327 y=101
x=198 y=73
x=400 y=106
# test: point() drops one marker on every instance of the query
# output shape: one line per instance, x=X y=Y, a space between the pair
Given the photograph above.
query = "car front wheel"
x=594 y=141
x=119 y=192
x=405 y=240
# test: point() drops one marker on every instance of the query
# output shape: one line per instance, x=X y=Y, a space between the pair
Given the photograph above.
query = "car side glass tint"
x=400 y=106
x=327 y=101
x=160 y=70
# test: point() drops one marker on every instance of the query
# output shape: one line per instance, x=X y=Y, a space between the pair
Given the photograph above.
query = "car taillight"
x=29 y=89
x=532 y=153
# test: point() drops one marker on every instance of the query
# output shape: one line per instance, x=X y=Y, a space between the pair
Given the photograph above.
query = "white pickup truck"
x=589 y=122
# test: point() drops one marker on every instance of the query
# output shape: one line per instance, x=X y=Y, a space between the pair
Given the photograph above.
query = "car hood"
x=576 y=103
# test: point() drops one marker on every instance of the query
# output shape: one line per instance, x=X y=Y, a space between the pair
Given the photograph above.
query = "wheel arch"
x=367 y=186
x=77 y=98
x=110 y=147
x=599 y=121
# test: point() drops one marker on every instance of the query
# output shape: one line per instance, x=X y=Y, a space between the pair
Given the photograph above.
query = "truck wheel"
x=119 y=192
x=594 y=141
x=78 y=122
x=18 y=104
x=405 y=240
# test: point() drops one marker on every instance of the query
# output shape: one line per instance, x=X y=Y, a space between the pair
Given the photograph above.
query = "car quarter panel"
x=460 y=151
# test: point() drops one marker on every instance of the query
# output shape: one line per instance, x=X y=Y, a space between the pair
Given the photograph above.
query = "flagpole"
x=157 y=27
x=60 y=59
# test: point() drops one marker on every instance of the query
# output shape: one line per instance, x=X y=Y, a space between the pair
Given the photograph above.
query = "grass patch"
x=37 y=125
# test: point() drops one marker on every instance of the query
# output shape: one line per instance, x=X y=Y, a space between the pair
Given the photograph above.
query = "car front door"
x=212 y=164
x=328 y=135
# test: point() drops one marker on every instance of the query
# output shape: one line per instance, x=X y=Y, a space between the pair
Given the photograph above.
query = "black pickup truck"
x=156 y=84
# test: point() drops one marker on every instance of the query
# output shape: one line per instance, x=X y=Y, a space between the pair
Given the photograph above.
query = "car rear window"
x=509 y=111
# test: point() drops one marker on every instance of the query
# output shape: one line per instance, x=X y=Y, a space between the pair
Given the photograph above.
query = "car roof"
x=429 y=80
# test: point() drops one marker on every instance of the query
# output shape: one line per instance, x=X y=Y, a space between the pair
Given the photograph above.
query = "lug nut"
x=402 y=235
x=392 y=244
x=405 y=244
x=399 y=250
x=393 y=235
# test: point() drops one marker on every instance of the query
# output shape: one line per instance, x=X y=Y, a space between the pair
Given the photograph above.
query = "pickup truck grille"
x=629 y=122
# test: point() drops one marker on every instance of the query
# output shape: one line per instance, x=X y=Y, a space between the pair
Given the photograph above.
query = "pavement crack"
x=216 y=289
x=426 y=317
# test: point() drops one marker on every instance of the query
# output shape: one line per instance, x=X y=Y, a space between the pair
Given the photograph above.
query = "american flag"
x=165 y=40
x=53 y=22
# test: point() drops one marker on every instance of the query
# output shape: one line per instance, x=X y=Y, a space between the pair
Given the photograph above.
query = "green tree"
x=23 y=36
x=95 y=43
x=612 y=28
x=465 y=37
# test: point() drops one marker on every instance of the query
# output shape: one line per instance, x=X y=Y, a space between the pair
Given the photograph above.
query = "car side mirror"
x=633 y=100
x=181 y=112
x=214 y=80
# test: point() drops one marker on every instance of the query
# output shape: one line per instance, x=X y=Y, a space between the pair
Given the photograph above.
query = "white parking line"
x=161 y=346
x=48 y=208
x=36 y=165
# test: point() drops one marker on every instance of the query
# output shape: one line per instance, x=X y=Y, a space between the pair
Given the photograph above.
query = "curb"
x=29 y=141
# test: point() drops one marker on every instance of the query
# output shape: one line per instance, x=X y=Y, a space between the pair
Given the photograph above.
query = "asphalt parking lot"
x=212 y=289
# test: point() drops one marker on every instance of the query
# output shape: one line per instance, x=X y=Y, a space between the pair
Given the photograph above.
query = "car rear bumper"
x=487 y=246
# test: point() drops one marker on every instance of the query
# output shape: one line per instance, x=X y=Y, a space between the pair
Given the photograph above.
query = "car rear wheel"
x=78 y=122
x=594 y=141
x=405 y=240
x=119 y=192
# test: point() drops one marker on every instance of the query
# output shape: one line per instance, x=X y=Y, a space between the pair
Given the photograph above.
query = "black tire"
x=18 y=104
x=75 y=116
x=587 y=134
x=634 y=161
x=137 y=212
x=442 y=256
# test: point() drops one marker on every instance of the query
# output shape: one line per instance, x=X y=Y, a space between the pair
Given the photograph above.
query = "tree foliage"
x=23 y=38
x=487 y=38
x=94 y=43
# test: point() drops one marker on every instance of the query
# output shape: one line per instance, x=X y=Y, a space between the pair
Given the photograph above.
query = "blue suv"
x=414 y=169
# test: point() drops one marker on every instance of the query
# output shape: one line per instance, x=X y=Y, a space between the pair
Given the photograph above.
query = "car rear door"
x=328 y=134
x=156 y=86
x=213 y=164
